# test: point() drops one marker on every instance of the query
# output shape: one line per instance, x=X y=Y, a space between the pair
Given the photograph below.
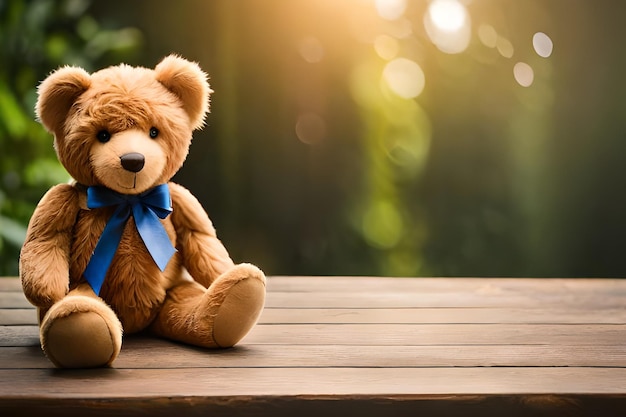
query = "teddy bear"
x=122 y=249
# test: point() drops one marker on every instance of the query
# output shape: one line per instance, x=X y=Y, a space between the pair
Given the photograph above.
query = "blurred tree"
x=36 y=36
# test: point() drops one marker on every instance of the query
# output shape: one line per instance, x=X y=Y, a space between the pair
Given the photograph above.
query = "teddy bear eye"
x=154 y=132
x=103 y=136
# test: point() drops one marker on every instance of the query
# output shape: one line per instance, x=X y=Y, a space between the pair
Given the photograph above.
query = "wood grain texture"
x=516 y=405
x=485 y=315
x=439 y=334
x=404 y=334
x=534 y=287
x=366 y=345
x=223 y=382
x=18 y=316
x=9 y=284
x=495 y=315
x=405 y=299
x=149 y=353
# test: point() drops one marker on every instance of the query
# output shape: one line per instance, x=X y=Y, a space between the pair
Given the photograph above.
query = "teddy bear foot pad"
x=74 y=336
x=233 y=322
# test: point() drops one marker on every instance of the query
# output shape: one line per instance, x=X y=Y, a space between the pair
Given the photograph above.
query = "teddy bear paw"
x=244 y=290
x=81 y=332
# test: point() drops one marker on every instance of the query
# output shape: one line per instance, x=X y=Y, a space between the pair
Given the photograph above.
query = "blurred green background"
x=362 y=137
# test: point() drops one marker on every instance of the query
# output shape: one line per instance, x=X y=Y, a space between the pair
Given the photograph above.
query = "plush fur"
x=202 y=297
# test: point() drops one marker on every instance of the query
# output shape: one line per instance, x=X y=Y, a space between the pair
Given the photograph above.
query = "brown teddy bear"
x=121 y=249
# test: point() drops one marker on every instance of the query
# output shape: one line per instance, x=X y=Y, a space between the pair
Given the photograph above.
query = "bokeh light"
x=523 y=74
x=310 y=128
x=505 y=47
x=543 y=44
x=404 y=77
x=447 y=15
x=447 y=24
x=311 y=49
x=488 y=35
x=386 y=47
x=390 y=9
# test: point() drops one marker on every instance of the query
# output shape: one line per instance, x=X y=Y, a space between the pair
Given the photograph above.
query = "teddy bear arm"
x=204 y=255
x=44 y=257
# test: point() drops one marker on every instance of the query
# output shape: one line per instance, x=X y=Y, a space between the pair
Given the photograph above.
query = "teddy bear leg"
x=218 y=317
x=81 y=331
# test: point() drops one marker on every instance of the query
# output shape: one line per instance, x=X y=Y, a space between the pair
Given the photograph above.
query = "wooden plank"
x=439 y=334
x=19 y=336
x=28 y=316
x=123 y=383
x=18 y=316
x=491 y=286
x=485 y=286
x=466 y=405
x=14 y=299
x=403 y=300
x=402 y=334
x=416 y=300
x=23 y=357
x=404 y=293
x=550 y=315
x=391 y=284
x=10 y=284
x=148 y=353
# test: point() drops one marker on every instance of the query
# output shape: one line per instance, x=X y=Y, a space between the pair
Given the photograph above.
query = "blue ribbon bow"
x=146 y=209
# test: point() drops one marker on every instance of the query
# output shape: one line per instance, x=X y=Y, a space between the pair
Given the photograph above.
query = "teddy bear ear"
x=189 y=83
x=57 y=93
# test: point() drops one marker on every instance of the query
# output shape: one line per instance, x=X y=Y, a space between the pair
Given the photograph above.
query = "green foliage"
x=36 y=37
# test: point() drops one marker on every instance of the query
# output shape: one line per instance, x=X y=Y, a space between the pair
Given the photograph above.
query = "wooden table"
x=359 y=346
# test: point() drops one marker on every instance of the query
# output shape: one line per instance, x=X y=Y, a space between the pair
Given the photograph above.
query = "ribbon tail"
x=105 y=249
x=153 y=235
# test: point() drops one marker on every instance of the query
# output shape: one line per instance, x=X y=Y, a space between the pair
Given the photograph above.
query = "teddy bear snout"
x=133 y=161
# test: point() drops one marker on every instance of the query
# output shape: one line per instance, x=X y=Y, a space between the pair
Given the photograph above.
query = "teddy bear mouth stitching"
x=133 y=186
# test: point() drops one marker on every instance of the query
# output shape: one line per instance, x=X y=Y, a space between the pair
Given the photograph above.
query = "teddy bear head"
x=125 y=128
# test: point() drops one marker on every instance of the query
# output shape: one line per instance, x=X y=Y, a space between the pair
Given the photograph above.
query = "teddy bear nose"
x=133 y=161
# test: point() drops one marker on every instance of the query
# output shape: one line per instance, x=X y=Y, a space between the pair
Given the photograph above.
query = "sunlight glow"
x=447 y=24
x=447 y=15
x=542 y=44
x=404 y=77
x=523 y=74
x=390 y=9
